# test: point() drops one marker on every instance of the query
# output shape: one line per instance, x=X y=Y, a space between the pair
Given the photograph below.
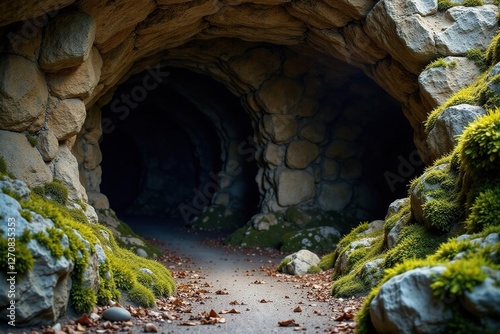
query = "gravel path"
x=210 y=277
x=248 y=276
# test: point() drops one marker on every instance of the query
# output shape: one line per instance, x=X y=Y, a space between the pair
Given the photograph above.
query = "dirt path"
x=248 y=276
x=241 y=281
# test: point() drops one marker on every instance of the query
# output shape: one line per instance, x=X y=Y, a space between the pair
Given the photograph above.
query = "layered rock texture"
x=285 y=61
x=304 y=122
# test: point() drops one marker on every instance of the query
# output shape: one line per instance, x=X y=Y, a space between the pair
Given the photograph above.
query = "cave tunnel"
x=171 y=147
x=166 y=147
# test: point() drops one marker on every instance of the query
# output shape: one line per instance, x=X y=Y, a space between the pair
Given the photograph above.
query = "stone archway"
x=279 y=57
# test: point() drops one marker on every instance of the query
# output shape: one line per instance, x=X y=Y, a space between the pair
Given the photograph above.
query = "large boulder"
x=300 y=154
x=335 y=196
x=41 y=294
x=442 y=138
x=67 y=41
x=438 y=83
x=23 y=93
x=79 y=82
x=294 y=187
x=406 y=304
x=23 y=160
x=65 y=117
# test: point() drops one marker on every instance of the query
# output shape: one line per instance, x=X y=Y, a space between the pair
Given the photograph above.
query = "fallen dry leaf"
x=221 y=292
x=345 y=316
x=297 y=309
x=84 y=320
x=189 y=323
x=288 y=323
x=233 y=311
x=263 y=301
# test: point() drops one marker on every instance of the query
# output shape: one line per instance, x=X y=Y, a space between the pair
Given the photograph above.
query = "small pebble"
x=150 y=328
x=116 y=314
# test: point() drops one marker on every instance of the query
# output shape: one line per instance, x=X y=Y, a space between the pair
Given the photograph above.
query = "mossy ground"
x=287 y=235
x=122 y=270
x=218 y=218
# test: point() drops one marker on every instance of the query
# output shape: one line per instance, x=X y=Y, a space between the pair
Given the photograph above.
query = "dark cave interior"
x=161 y=145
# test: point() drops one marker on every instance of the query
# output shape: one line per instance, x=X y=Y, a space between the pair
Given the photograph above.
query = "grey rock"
x=116 y=314
x=482 y=301
x=65 y=168
x=67 y=41
x=28 y=166
x=42 y=293
x=396 y=206
x=300 y=262
x=437 y=84
x=16 y=186
x=442 y=138
x=373 y=271
x=335 y=196
x=315 y=238
x=374 y=226
x=405 y=304
x=141 y=252
x=419 y=196
x=146 y=271
x=48 y=145
x=472 y=28
x=393 y=235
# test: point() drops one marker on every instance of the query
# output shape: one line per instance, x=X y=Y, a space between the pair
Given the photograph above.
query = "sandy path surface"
x=239 y=273
x=225 y=278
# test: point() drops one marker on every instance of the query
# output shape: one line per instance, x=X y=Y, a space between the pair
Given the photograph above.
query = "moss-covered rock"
x=316 y=238
x=84 y=250
x=218 y=218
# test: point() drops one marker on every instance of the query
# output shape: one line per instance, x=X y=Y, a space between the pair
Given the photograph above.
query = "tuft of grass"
x=32 y=139
x=479 y=58
x=440 y=62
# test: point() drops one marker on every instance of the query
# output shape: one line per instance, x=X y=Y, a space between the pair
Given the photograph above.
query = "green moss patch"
x=218 y=218
x=122 y=269
x=315 y=239
x=248 y=236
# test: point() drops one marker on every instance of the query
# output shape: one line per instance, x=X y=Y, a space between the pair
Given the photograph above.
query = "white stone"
x=301 y=261
x=405 y=304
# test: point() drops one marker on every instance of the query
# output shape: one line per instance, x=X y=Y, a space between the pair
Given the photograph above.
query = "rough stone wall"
x=57 y=63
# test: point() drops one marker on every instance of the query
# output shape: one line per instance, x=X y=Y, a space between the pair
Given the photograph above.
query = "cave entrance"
x=168 y=150
x=310 y=136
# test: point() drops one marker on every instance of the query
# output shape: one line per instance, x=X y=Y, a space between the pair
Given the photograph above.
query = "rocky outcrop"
x=397 y=299
x=42 y=293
